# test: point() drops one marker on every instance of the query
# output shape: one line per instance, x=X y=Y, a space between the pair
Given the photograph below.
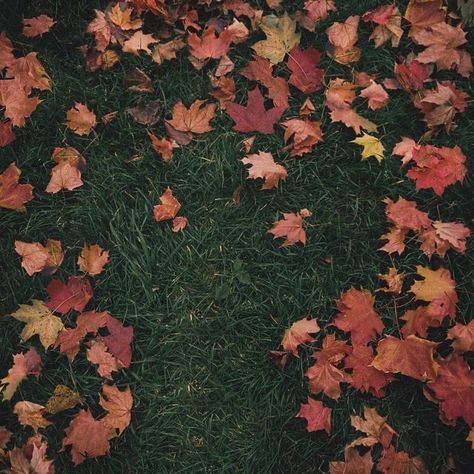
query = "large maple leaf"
x=399 y=462
x=209 y=45
x=254 y=117
x=354 y=463
x=40 y=258
x=454 y=389
x=343 y=37
x=299 y=333
x=263 y=166
x=75 y=294
x=304 y=133
x=118 y=405
x=12 y=194
x=374 y=426
x=25 y=364
x=195 y=119
x=305 y=73
x=87 y=437
x=119 y=340
x=291 y=227
x=358 y=316
x=281 y=37
x=412 y=357
x=39 y=320
x=316 y=414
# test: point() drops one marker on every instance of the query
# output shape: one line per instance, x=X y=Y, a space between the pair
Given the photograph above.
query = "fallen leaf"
x=87 y=437
x=39 y=258
x=299 y=333
x=195 y=119
x=7 y=135
x=372 y=147
x=97 y=354
x=443 y=236
x=358 y=316
x=92 y=259
x=39 y=320
x=377 y=96
x=37 y=26
x=168 y=207
x=412 y=357
x=354 y=463
x=80 y=119
x=63 y=398
x=254 y=117
x=119 y=340
x=305 y=73
x=317 y=415
x=67 y=174
x=12 y=194
x=374 y=426
x=291 y=228
x=394 y=281
x=31 y=414
x=179 y=223
x=342 y=38
x=139 y=41
x=463 y=336
x=209 y=45
x=163 y=146
x=146 y=114
x=281 y=38
x=263 y=166
x=75 y=294
x=25 y=364
x=305 y=134
x=399 y=462
x=118 y=405
x=137 y=81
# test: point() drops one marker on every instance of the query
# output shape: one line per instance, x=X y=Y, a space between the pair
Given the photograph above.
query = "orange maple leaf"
x=168 y=207
x=195 y=119
x=80 y=119
x=291 y=227
x=263 y=166
x=93 y=258
x=12 y=194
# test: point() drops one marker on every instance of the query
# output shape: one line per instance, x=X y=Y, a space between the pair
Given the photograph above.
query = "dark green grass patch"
x=208 y=304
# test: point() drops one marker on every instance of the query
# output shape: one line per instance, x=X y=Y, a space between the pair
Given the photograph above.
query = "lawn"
x=209 y=303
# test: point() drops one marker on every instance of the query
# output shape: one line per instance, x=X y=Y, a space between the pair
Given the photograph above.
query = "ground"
x=208 y=304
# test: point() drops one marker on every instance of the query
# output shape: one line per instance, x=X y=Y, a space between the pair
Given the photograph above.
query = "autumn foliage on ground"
x=266 y=78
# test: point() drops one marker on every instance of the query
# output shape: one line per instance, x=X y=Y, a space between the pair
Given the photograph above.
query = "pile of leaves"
x=358 y=350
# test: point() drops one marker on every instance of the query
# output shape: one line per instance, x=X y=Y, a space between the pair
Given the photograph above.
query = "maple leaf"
x=261 y=70
x=100 y=28
x=168 y=207
x=299 y=333
x=412 y=357
x=350 y=118
x=326 y=377
x=410 y=74
x=438 y=289
x=343 y=37
x=209 y=45
x=377 y=96
x=358 y=316
x=424 y=13
x=62 y=398
x=80 y=119
x=281 y=38
x=97 y=354
x=31 y=457
x=263 y=166
x=454 y=389
x=305 y=75
x=68 y=170
x=39 y=258
x=137 y=81
x=75 y=294
x=118 y=405
x=179 y=223
x=355 y=463
x=394 y=281
x=291 y=227
x=374 y=426
x=14 y=97
x=399 y=462
x=463 y=336
x=254 y=117
x=6 y=50
x=29 y=73
x=87 y=437
x=69 y=340
x=146 y=114
x=224 y=90
x=167 y=51
x=372 y=147
x=92 y=259
x=39 y=320
x=195 y=119
x=305 y=134
x=163 y=146
x=316 y=414
x=31 y=414
x=139 y=41
x=37 y=26
x=122 y=17
x=119 y=340
x=404 y=148
x=225 y=66
x=396 y=240
x=7 y=135
x=339 y=94
x=388 y=20
x=440 y=106
x=404 y=214
x=442 y=43
x=25 y=364
x=442 y=236
x=365 y=377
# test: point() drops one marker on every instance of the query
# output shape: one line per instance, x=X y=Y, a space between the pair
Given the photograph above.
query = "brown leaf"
x=137 y=81
x=62 y=398
x=195 y=119
x=291 y=227
x=118 y=405
x=163 y=146
x=168 y=207
x=37 y=26
x=146 y=114
x=93 y=258
x=80 y=119
x=31 y=414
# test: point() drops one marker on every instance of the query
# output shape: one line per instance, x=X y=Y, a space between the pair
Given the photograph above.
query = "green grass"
x=208 y=304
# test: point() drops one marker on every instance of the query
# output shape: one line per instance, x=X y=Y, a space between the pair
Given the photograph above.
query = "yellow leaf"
x=372 y=147
x=62 y=399
x=281 y=37
x=39 y=320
